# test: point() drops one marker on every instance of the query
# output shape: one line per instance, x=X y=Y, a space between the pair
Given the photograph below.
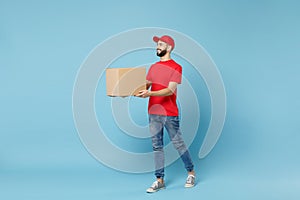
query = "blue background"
x=255 y=44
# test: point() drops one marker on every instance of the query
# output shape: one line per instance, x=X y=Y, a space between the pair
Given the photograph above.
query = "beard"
x=161 y=53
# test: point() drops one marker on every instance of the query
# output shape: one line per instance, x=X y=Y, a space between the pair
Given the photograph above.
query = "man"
x=163 y=78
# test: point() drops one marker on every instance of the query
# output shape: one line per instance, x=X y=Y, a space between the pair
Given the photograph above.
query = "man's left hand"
x=143 y=94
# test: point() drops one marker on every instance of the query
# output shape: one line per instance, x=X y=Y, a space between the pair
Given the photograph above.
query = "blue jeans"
x=171 y=123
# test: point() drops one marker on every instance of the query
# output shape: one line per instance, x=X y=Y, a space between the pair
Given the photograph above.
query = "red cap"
x=167 y=39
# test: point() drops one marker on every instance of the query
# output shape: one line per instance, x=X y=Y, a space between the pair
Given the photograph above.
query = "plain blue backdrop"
x=255 y=44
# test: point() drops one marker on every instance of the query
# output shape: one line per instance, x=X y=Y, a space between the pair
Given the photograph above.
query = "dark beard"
x=162 y=53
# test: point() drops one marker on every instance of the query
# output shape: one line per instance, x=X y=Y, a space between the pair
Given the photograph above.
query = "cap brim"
x=156 y=39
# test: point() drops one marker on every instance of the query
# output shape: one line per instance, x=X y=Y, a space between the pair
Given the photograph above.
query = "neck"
x=165 y=57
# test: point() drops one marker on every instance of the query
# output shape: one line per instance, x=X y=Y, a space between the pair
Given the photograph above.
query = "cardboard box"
x=125 y=81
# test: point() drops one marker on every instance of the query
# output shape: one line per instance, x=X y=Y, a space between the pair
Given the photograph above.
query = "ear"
x=169 y=48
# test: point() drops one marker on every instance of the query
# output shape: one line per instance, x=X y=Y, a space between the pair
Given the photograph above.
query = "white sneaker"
x=156 y=186
x=190 y=181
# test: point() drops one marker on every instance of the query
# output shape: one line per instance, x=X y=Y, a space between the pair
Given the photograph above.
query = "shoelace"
x=189 y=179
x=155 y=184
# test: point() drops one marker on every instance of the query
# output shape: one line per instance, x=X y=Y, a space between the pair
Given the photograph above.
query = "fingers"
x=142 y=93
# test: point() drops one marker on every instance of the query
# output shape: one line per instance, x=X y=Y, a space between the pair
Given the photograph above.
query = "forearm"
x=163 y=92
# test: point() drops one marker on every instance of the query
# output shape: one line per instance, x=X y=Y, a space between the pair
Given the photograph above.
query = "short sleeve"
x=176 y=75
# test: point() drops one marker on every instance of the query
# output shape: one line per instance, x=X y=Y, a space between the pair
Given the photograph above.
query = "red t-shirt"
x=160 y=74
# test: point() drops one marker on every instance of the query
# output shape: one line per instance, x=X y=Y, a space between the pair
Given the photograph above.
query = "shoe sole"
x=189 y=186
x=155 y=190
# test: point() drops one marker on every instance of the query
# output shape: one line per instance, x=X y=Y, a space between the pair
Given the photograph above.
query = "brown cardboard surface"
x=125 y=81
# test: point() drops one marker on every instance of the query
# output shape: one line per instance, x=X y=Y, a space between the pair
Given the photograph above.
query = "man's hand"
x=163 y=92
x=143 y=94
